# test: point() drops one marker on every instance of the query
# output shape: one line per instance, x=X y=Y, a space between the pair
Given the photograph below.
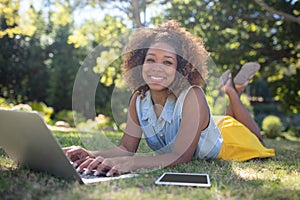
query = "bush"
x=100 y=122
x=69 y=116
x=294 y=131
x=66 y=116
x=272 y=126
x=219 y=104
x=3 y=103
x=43 y=109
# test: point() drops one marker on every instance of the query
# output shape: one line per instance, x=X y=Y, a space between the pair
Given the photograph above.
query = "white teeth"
x=156 y=78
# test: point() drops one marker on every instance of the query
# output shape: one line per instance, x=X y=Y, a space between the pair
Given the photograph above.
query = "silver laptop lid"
x=27 y=140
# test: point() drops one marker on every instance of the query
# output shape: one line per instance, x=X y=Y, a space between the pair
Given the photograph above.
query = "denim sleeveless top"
x=160 y=133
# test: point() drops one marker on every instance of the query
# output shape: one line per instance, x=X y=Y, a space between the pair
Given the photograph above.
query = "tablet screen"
x=187 y=179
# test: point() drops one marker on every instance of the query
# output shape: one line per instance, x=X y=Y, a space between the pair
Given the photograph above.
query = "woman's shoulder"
x=190 y=96
x=133 y=100
x=192 y=92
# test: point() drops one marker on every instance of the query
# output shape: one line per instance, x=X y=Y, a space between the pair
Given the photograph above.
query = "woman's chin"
x=157 y=87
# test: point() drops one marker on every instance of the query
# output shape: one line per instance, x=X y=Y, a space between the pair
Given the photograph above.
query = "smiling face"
x=159 y=67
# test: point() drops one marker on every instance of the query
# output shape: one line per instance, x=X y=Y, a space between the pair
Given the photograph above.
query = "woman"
x=165 y=67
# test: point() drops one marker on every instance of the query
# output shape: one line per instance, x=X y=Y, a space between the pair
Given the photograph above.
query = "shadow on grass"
x=21 y=183
x=275 y=178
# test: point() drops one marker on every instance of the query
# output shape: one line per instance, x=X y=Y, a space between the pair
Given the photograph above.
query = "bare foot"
x=241 y=80
x=240 y=88
x=246 y=73
x=228 y=87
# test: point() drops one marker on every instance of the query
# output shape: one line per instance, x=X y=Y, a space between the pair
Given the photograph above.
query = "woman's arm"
x=131 y=137
x=195 y=118
x=128 y=145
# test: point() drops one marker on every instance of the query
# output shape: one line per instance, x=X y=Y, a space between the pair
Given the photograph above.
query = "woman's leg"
x=239 y=90
x=236 y=108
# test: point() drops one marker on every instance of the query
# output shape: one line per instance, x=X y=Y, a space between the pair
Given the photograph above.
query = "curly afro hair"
x=190 y=50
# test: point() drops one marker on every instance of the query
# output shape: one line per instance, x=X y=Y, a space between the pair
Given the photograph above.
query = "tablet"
x=184 y=179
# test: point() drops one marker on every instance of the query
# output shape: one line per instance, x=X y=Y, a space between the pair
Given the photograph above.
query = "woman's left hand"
x=116 y=166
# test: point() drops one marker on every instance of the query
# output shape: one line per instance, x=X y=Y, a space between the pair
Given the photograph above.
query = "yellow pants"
x=239 y=143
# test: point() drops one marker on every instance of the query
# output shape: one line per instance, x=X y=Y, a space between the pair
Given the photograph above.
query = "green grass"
x=276 y=178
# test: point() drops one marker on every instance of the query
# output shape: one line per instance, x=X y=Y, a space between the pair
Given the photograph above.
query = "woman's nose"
x=157 y=66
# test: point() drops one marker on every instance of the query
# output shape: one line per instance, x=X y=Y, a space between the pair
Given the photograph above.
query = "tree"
x=21 y=59
x=285 y=15
x=237 y=31
x=11 y=23
x=104 y=41
x=135 y=10
x=62 y=71
x=234 y=31
x=64 y=58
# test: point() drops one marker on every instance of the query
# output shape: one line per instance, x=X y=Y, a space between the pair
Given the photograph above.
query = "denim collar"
x=148 y=109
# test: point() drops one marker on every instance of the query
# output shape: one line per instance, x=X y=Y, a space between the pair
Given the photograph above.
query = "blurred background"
x=43 y=43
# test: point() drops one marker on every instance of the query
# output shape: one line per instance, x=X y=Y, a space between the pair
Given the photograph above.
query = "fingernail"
x=86 y=172
x=78 y=169
x=96 y=173
x=107 y=174
x=75 y=164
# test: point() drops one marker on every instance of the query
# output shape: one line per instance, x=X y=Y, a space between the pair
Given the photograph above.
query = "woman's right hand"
x=91 y=164
x=77 y=154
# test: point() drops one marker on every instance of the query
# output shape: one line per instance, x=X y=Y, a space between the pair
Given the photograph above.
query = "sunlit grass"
x=275 y=178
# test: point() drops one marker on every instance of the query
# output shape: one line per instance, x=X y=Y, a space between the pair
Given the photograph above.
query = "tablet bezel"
x=160 y=182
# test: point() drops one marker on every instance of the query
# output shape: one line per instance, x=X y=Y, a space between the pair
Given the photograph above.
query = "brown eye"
x=168 y=63
x=150 y=60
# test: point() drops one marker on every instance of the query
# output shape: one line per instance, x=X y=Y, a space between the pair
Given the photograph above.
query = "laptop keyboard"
x=91 y=175
x=91 y=178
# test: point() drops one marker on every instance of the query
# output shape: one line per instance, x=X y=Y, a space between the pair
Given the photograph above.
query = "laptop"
x=27 y=140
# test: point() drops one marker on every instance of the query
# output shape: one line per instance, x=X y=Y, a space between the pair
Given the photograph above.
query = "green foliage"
x=3 y=103
x=43 y=109
x=293 y=125
x=11 y=23
x=247 y=104
x=100 y=122
x=263 y=109
x=219 y=105
x=294 y=131
x=62 y=72
x=238 y=31
x=66 y=116
x=109 y=35
x=41 y=50
x=69 y=116
x=272 y=126
x=287 y=90
x=22 y=63
x=37 y=68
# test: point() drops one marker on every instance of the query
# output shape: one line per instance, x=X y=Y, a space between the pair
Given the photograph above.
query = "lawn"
x=276 y=178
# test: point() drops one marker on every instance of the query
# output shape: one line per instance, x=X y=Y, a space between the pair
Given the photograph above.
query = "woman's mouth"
x=156 y=79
